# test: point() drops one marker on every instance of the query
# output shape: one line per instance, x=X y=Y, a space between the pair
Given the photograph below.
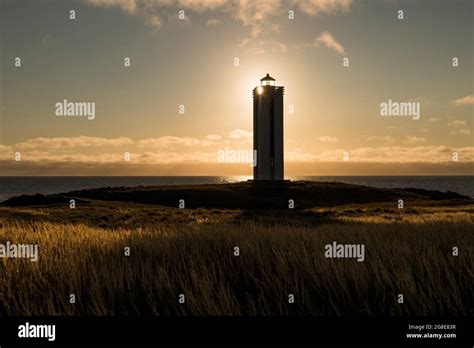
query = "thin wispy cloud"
x=255 y=15
x=459 y=127
x=328 y=139
x=262 y=18
x=129 y=6
x=327 y=39
x=315 y=7
x=467 y=100
x=212 y=22
x=173 y=141
x=384 y=139
x=414 y=140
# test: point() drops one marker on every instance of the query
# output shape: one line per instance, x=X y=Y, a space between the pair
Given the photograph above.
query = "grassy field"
x=191 y=252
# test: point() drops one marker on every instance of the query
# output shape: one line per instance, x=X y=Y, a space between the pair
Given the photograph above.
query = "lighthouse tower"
x=268 y=130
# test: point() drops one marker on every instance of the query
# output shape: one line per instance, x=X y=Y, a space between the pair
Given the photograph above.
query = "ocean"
x=15 y=186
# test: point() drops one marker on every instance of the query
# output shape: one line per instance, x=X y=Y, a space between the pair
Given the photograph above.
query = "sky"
x=186 y=97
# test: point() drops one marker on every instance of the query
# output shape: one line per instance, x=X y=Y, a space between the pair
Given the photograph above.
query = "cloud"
x=149 y=10
x=239 y=134
x=326 y=39
x=387 y=139
x=459 y=127
x=467 y=100
x=167 y=142
x=261 y=18
x=465 y=131
x=129 y=6
x=90 y=149
x=173 y=149
x=201 y=5
x=213 y=22
x=276 y=46
x=399 y=154
x=315 y=7
x=457 y=124
x=414 y=140
x=171 y=155
x=95 y=150
x=153 y=157
x=153 y=11
x=153 y=21
x=6 y=152
x=328 y=139
x=258 y=16
x=73 y=142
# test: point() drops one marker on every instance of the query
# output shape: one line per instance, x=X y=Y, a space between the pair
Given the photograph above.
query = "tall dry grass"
x=410 y=257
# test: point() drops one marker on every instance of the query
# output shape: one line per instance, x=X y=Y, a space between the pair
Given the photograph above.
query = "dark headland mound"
x=246 y=195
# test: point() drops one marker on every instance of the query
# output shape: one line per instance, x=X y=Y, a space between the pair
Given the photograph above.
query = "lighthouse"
x=268 y=130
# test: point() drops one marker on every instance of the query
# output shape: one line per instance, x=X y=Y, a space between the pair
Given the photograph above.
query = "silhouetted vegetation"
x=191 y=251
